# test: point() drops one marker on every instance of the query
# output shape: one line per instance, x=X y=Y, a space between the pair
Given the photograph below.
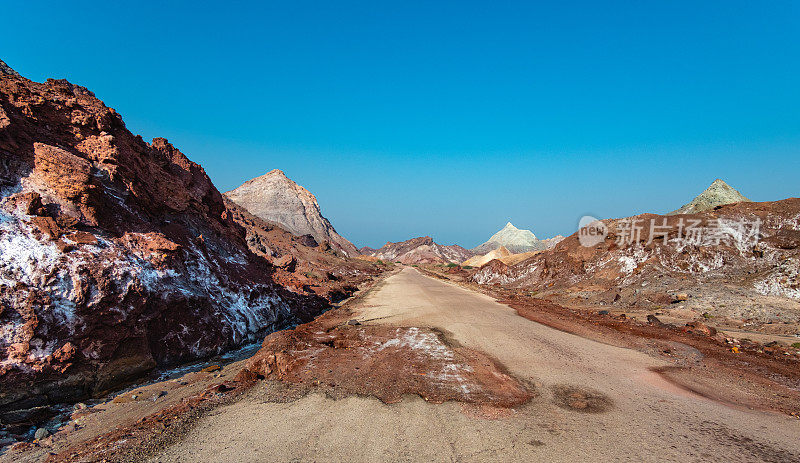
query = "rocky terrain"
x=718 y=193
x=275 y=198
x=422 y=250
x=479 y=261
x=736 y=266
x=118 y=255
x=469 y=371
x=301 y=264
x=516 y=241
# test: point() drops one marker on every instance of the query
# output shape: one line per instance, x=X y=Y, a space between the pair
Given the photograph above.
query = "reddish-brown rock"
x=753 y=247
x=115 y=255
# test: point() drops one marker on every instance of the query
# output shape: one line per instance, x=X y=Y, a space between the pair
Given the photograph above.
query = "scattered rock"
x=79 y=406
x=287 y=262
x=307 y=240
x=603 y=312
x=680 y=297
x=701 y=328
x=48 y=226
x=353 y=322
x=224 y=388
x=41 y=433
x=82 y=237
x=581 y=399
x=653 y=320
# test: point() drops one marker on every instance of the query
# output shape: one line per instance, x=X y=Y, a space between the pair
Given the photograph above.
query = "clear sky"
x=446 y=118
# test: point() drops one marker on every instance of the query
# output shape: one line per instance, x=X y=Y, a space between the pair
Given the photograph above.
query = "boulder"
x=679 y=297
x=701 y=328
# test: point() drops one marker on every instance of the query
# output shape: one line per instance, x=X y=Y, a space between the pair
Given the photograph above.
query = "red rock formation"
x=387 y=362
x=115 y=255
x=760 y=261
x=301 y=263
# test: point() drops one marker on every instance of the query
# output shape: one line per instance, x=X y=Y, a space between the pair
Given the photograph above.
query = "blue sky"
x=447 y=118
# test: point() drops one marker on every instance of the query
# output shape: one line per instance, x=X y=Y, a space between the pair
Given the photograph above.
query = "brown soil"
x=704 y=364
x=124 y=443
x=334 y=355
x=737 y=372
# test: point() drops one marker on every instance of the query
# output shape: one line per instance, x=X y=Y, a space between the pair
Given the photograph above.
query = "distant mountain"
x=516 y=241
x=479 y=261
x=300 y=264
x=718 y=194
x=422 y=250
x=276 y=198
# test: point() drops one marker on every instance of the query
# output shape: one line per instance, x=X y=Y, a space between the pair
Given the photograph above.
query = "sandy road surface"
x=649 y=420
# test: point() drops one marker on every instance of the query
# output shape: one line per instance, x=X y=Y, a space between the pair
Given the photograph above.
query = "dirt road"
x=647 y=419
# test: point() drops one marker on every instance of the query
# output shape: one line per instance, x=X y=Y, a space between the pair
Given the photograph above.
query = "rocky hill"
x=275 y=198
x=366 y=250
x=478 y=261
x=116 y=255
x=422 y=250
x=303 y=265
x=516 y=241
x=718 y=193
x=739 y=261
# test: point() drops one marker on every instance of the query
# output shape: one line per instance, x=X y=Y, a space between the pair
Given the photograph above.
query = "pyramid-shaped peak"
x=720 y=187
x=510 y=226
x=719 y=184
x=275 y=175
x=718 y=193
x=276 y=172
x=274 y=197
